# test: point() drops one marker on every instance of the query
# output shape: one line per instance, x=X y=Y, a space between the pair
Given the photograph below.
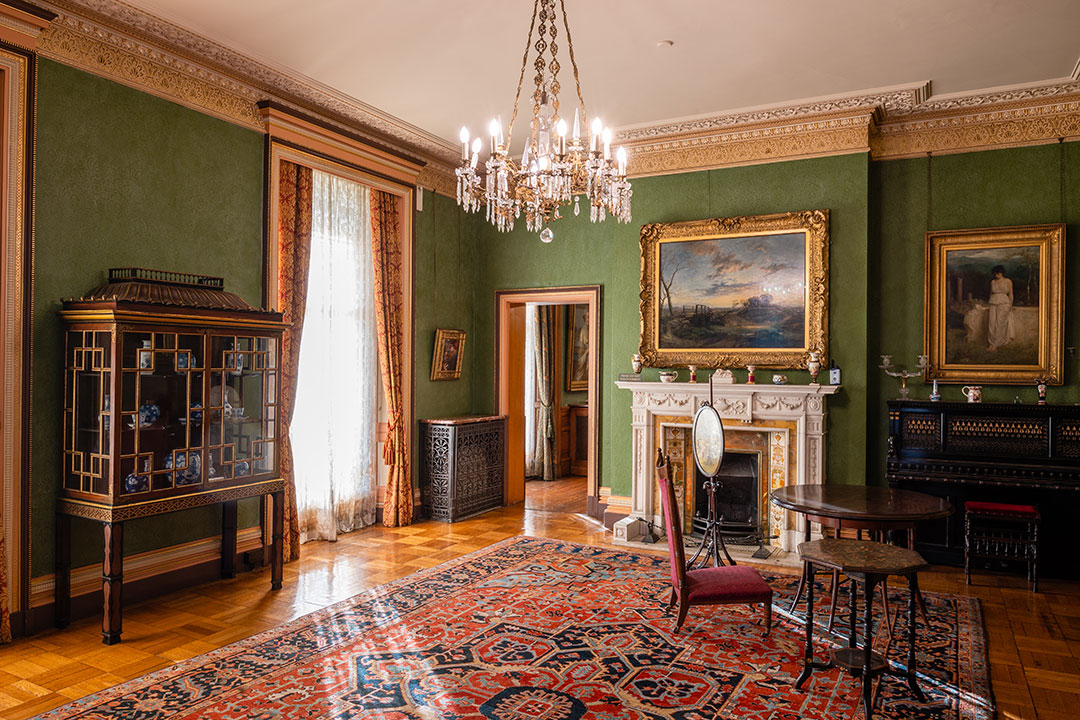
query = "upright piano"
x=998 y=452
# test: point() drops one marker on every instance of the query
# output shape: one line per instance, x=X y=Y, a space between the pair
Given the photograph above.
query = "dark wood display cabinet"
x=171 y=391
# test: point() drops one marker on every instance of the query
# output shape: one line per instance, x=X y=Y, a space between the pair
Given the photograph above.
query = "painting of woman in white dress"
x=993 y=305
x=999 y=329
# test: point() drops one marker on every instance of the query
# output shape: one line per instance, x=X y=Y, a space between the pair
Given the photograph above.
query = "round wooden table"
x=861 y=507
x=877 y=510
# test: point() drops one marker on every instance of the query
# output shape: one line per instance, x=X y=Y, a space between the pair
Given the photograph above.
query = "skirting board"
x=87 y=579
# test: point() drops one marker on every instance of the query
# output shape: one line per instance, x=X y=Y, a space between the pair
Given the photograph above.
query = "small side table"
x=869 y=563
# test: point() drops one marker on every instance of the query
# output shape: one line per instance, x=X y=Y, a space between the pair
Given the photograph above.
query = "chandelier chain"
x=521 y=77
x=573 y=63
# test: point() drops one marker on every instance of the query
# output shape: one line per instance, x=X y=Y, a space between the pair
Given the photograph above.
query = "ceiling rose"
x=557 y=165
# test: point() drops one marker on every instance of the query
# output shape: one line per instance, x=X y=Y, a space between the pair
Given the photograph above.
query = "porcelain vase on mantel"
x=813 y=365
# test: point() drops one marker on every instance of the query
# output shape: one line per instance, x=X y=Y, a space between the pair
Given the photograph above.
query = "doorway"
x=575 y=412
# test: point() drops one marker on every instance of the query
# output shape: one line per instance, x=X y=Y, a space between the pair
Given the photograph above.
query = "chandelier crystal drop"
x=554 y=168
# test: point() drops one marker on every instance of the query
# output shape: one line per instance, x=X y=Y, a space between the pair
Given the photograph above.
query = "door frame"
x=590 y=295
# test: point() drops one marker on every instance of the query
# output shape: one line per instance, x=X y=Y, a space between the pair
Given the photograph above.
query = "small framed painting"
x=993 y=305
x=449 y=353
x=577 y=348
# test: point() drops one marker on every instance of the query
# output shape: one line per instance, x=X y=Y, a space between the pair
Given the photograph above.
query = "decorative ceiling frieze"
x=829 y=134
x=118 y=41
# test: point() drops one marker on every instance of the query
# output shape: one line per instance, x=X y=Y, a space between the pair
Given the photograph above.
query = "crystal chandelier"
x=553 y=168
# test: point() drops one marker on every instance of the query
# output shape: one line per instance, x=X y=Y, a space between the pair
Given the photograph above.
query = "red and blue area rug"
x=531 y=629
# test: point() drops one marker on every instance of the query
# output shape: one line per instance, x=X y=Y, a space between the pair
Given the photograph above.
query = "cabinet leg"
x=228 y=539
x=278 y=545
x=112 y=576
x=62 y=592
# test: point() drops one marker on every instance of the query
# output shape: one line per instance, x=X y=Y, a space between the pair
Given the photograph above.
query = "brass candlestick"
x=898 y=372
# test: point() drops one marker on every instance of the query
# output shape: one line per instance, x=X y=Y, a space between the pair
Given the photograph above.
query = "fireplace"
x=789 y=420
x=738 y=499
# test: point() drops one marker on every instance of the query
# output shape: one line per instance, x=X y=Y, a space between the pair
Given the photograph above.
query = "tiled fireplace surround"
x=784 y=423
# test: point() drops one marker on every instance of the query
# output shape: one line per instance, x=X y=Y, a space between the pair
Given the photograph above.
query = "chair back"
x=672 y=522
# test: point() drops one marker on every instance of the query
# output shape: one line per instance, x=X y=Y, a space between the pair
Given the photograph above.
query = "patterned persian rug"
x=533 y=628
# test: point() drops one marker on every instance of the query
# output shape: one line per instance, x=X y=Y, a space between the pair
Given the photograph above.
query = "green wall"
x=445 y=260
x=124 y=178
x=608 y=254
x=127 y=179
x=1018 y=186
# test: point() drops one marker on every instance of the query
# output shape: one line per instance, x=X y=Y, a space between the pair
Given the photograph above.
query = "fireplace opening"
x=737 y=499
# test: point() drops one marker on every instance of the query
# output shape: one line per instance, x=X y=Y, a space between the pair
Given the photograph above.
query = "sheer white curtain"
x=334 y=424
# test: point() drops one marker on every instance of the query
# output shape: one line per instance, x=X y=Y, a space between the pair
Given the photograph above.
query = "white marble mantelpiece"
x=737 y=404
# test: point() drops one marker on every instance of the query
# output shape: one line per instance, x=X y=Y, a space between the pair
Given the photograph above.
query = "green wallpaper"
x=1017 y=186
x=124 y=178
x=445 y=260
x=608 y=254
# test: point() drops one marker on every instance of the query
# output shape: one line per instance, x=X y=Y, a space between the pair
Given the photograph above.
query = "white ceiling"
x=438 y=64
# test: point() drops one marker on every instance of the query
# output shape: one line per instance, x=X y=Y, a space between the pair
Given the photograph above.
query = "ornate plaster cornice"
x=120 y=42
x=834 y=133
x=116 y=40
x=898 y=123
x=968 y=126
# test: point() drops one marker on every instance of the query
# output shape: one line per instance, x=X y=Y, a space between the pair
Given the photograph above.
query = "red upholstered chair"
x=727 y=585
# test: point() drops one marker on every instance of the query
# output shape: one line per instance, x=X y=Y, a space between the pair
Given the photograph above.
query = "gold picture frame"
x=755 y=291
x=993 y=305
x=449 y=354
x=577 y=347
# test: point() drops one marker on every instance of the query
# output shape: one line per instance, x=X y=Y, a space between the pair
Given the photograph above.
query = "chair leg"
x=1034 y=550
x=671 y=602
x=768 y=617
x=967 y=548
x=684 y=607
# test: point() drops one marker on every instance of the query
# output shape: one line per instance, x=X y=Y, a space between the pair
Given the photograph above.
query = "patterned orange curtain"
x=5 y=619
x=294 y=256
x=389 y=304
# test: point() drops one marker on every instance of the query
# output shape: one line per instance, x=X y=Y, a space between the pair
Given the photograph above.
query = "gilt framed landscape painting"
x=731 y=292
x=993 y=309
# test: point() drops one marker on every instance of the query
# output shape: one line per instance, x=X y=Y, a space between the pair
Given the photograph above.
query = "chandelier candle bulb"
x=597 y=128
x=607 y=143
x=464 y=135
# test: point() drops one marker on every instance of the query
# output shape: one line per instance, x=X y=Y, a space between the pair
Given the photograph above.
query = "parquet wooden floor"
x=565 y=495
x=1034 y=640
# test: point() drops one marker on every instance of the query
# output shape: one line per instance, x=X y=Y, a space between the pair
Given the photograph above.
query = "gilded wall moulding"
x=831 y=134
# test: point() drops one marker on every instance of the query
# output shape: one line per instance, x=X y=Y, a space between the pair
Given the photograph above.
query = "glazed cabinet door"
x=242 y=407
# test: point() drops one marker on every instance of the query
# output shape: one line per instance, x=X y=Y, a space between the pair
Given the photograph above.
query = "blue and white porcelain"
x=136 y=483
x=243 y=468
x=182 y=360
x=188 y=471
x=196 y=411
x=148 y=413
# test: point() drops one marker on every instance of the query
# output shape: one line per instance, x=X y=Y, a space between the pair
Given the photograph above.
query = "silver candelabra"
x=897 y=372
